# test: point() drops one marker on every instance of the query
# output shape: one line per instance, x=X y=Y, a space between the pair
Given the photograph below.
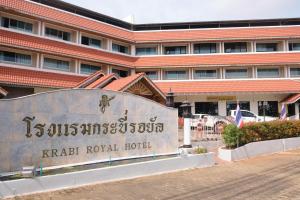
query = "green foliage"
x=231 y=136
x=260 y=131
x=200 y=150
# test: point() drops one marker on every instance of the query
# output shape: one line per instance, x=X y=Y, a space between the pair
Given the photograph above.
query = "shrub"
x=200 y=150
x=260 y=131
x=231 y=136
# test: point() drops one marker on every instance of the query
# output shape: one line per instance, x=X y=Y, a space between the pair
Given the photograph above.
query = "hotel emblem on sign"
x=104 y=102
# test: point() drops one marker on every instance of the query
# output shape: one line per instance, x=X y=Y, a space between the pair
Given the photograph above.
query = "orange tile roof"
x=291 y=99
x=122 y=83
x=232 y=86
x=225 y=59
x=3 y=92
x=219 y=34
x=101 y=81
x=26 y=77
x=51 y=14
x=69 y=19
x=88 y=80
x=9 y=38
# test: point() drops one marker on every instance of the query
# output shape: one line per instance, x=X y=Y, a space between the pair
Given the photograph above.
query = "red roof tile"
x=122 y=83
x=218 y=34
x=227 y=59
x=233 y=86
x=3 y=92
x=51 y=14
x=45 y=45
x=100 y=83
x=88 y=80
x=291 y=99
x=26 y=77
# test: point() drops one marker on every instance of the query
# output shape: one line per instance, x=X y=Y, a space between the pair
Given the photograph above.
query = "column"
x=109 y=69
x=222 y=108
x=285 y=72
x=192 y=48
x=37 y=61
x=297 y=110
x=254 y=106
x=77 y=66
x=78 y=37
x=109 y=45
x=161 y=49
x=42 y=61
x=254 y=46
x=132 y=72
x=42 y=30
x=132 y=49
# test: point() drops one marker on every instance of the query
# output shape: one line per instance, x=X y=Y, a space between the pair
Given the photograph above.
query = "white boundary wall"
x=81 y=178
x=259 y=148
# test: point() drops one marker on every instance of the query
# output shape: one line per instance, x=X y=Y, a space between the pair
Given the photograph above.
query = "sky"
x=162 y=11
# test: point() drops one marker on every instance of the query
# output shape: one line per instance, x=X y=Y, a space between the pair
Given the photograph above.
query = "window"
x=268 y=73
x=236 y=73
x=17 y=58
x=291 y=110
x=210 y=108
x=266 y=47
x=120 y=73
x=88 y=69
x=205 y=48
x=91 y=42
x=146 y=51
x=56 y=64
x=269 y=108
x=120 y=48
x=295 y=72
x=294 y=46
x=175 y=75
x=231 y=105
x=175 y=50
x=236 y=47
x=205 y=74
x=62 y=35
x=16 y=24
x=153 y=75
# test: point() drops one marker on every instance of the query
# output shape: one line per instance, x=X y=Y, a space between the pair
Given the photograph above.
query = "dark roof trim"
x=167 y=26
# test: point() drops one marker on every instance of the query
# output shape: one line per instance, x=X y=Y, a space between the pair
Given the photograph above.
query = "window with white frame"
x=295 y=72
x=176 y=75
x=266 y=47
x=16 y=24
x=58 y=34
x=153 y=75
x=146 y=51
x=175 y=50
x=120 y=48
x=268 y=73
x=294 y=46
x=90 y=42
x=205 y=48
x=56 y=64
x=236 y=73
x=88 y=69
x=16 y=58
x=205 y=74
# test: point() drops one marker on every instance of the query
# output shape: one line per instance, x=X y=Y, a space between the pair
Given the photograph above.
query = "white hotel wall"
x=253 y=98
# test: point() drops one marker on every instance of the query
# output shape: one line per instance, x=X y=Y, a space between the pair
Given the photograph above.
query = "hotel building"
x=46 y=45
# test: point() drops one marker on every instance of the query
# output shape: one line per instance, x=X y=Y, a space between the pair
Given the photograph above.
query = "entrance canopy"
x=291 y=99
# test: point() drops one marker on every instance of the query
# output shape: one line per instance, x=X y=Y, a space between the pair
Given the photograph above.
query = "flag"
x=238 y=117
x=283 y=112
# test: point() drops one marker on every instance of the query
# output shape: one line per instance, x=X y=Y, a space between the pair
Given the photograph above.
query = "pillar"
x=297 y=110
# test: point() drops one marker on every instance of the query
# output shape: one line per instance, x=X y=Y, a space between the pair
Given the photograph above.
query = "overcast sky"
x=159 y=11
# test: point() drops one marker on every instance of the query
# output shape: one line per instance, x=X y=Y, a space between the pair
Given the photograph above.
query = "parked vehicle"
x=208 y=122
x=249 y=116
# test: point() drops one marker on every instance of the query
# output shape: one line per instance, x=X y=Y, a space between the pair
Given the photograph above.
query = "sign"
x=70 y=127
x=221 y=98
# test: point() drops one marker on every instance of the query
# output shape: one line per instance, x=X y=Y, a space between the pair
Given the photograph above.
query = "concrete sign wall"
x=82 y=126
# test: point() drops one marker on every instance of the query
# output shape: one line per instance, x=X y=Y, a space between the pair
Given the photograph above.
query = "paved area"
x=275 y=176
